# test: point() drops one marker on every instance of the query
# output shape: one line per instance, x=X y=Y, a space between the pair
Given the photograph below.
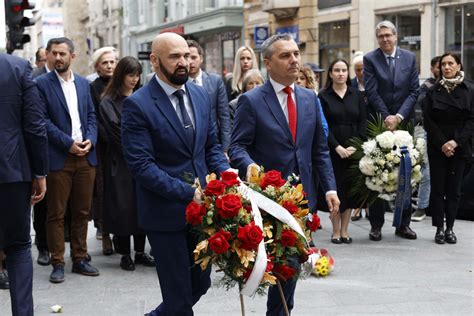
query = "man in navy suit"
x=23 y=168
x=72 y=134
x=216 y=89
x=391 y=84
x=278 y=126
x=169 y=138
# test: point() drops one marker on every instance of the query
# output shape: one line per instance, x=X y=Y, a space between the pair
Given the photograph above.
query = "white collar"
x=278 y=87
x=61 y=80
x=392 y=54
x=169 y=90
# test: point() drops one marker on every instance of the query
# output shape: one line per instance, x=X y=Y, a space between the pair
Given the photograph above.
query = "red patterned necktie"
x=292 y=116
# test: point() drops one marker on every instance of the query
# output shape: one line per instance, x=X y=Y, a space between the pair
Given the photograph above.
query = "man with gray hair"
x=391 y=84
x=278 y=126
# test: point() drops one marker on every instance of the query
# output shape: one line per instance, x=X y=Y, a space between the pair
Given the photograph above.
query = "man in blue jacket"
x=23 y=168
x=72 y=134
x=391 y=84
x=278 y=126
x=169 y=138
x=216 y=89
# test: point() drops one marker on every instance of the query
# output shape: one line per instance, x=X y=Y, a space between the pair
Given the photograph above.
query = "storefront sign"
x=175 y=29
x=260 y=34
x=412 y=40
x=144 y=55
x=292 y=30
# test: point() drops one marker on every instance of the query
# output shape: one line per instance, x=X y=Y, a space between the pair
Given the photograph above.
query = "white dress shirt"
x=282 y=96
x=169 y=90
x=198 y=79
x=70 y=94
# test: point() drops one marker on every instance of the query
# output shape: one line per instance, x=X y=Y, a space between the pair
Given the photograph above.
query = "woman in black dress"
x=120 y=212
x=448 y=117
x=345 y=112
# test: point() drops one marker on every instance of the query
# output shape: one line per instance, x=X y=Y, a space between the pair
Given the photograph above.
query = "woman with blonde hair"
x=306 y=78
x=245 y=60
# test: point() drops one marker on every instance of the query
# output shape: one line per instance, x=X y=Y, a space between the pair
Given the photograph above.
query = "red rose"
x=290 y=207
x=273 y=178
x=218 y=242
x=269 y=266
x=250 y=235
x=248 y=208
x=194 y=213
x=288 y=238
x=215 y=187
x=229 y=178
x=284 y=272
x=247 y=274
x=229 y=205
x=314 y=223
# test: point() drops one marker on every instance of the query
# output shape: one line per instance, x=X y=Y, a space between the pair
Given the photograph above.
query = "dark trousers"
x=446 y=180
x=377 y=214
x=40 y=215
x=74 y=181
x=123 y=243
x=182 y=282
x=274 y=302
x=15 y=217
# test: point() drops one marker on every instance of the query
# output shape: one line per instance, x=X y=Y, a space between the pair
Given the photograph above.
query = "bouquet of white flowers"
x=377 y=162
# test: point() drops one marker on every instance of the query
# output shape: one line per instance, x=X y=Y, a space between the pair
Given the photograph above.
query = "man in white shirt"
x=72 y=134
x=278 y=126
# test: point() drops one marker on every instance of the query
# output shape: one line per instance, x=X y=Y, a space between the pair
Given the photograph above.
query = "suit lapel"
x=383 y=61
x=274 y=105
x=205 y=80
x=58 y=90
x=302 y=103
x=164 y=105
x=398 y=61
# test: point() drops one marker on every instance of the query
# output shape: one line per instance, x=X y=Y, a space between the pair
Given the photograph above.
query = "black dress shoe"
x=346 y=240
x=145 y=259
x=405 y=232
x=450 y=236
x=375 y=234
x=336 y=241
x=83 y=267
x=43 y=258
x=126 y=263
x=57 y=276
x=440 y=238
x=4 y=283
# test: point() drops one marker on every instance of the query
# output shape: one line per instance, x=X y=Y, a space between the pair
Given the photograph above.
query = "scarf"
x=451 y=84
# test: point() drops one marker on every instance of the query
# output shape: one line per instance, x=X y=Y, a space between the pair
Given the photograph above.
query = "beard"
x=174 y=77
x=63 y=68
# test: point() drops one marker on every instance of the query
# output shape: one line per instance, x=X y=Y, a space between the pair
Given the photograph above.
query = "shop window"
x=409 y=32
x=333 y=43
x=460 y=35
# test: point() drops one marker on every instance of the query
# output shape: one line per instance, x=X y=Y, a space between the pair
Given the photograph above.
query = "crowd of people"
x=126 y=155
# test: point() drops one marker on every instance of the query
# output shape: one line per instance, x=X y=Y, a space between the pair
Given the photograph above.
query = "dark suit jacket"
x=449 y=116
x=219 y=105
x=261 y=135
x=391 y=96
x=58 y=120
x=354 y=83
x=39 y=71
x=23 y=140
x=159 y=158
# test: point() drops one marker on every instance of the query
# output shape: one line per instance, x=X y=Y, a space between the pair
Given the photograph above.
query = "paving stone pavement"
x=391 y=277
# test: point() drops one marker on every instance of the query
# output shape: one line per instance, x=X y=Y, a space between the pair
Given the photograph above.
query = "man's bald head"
x=169 y=57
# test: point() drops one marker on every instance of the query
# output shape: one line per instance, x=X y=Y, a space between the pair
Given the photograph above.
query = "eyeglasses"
x=384 y=36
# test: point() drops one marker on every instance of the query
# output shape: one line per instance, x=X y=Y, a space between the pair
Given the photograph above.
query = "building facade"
x=329 y=29
x=217 y=25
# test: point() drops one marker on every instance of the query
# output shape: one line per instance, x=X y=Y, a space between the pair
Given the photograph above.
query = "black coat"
x=347 y=118
x=450 y=116
x=120 y=211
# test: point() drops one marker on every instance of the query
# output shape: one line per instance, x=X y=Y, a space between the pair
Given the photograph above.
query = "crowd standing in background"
x=123 y=154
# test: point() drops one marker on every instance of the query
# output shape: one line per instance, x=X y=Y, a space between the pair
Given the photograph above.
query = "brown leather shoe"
x=405 y=232
x=375 y=234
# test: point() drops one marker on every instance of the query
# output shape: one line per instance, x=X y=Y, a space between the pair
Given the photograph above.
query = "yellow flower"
x=211 y=177
x=202 y=246
x=203 y=262
x=267 y=277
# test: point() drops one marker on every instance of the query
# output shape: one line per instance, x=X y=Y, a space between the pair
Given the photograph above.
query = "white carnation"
x=366 y=166
x=420 y=144
x=369 y=146
x=372 y=186
x=403 y=138
x=386 y=139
